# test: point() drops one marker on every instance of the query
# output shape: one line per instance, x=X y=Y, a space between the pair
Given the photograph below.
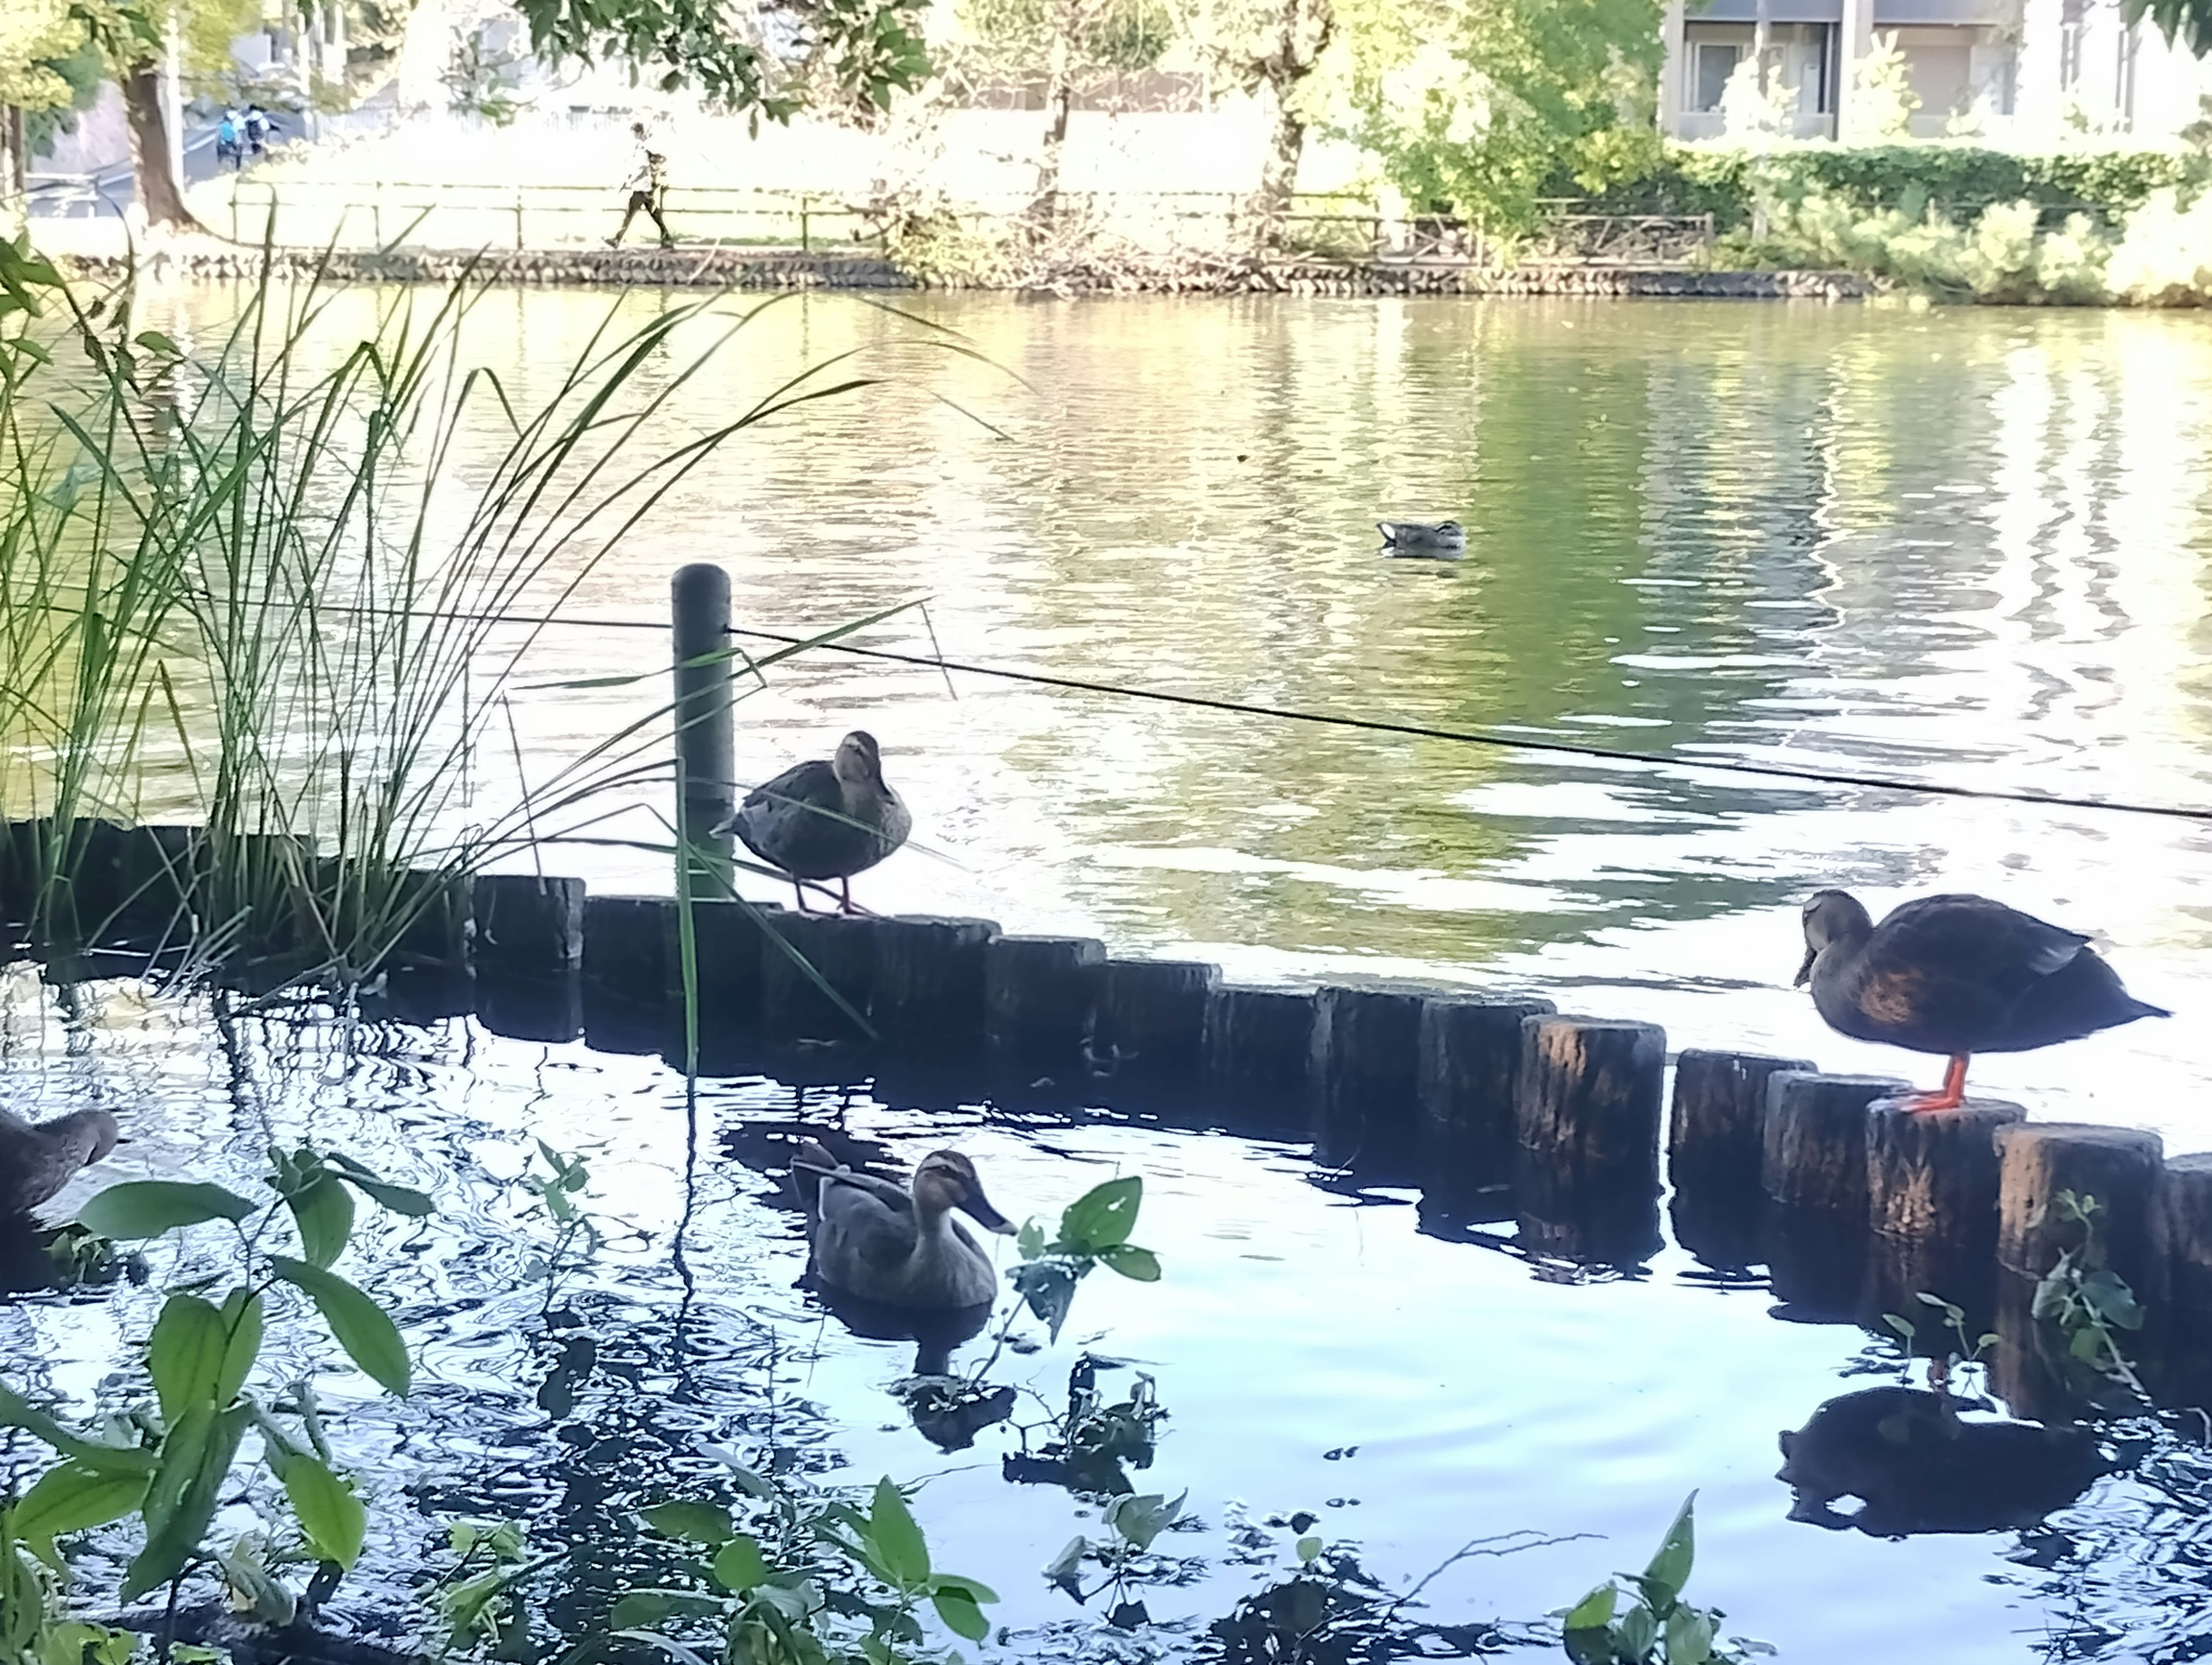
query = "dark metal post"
x=706 y=737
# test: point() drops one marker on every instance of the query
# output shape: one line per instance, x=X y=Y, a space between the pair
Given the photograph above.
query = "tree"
x=2184 y=23
x=1477 y=108
x=1277 y=47
x=38 y=39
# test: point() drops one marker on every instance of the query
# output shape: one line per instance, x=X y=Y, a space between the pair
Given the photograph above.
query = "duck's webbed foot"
x=1950 y=1097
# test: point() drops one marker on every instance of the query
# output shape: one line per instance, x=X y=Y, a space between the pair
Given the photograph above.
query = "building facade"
x=2029 y=73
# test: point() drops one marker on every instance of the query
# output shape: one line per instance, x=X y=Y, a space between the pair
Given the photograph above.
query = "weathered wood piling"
x=528 y=923
x=1587 y=1102
x=1151 y=1018
x=928 y=993
x=1039 y=995
x=1365 y=1074
x=1258 y=1048
x=1467 y=1085
x=2122 y=1167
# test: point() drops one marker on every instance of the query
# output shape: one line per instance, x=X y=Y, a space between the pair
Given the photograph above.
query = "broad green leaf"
x=695 y=1522
x=242 y=1316
x=69 y=1497
x=1689 y=1637
x=1670 y=1567
x=155 y=342
x=1593 y=1611
x=334 y=1519
x=323 y=1212
x=897 y=1539
x=75 y=1643
x=1635 y=1634
x=1029 y=1241
x=400 y=1199
x=363 y=1329
x=1132 y=1261
x=1308 y=1547
x=1063 y=1566
x=739 y=1565
x=1141 y=1518
x=148 y=1207
x=641 y=1609
x=975 y=1588
x=1905 y=1327
x=1048 y=1287
x=196 y=1459
x=1103 y=1216
x=16 y=1412
x=960 y=1613
x=184 y=1354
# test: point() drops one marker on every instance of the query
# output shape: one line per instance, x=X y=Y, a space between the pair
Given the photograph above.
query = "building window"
x=1717 y=62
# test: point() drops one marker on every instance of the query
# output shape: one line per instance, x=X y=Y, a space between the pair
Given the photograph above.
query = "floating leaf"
x=695 y=1523
x=1132 y=1261
x=895 y=1538
x=148 y=1207
x=334 y=1519
x=363 y=1329
x=323 y=1212
x=1103 y=1216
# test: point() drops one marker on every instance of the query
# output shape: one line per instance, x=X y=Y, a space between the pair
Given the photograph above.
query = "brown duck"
x=824 y=820
x=1957 y=975
x=38 y=1159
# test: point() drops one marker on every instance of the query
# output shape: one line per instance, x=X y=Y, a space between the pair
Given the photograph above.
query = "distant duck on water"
x=822 y=821
x=1957 y=975
x=37 y=1159
x=1431 y=539
x=899 y=1245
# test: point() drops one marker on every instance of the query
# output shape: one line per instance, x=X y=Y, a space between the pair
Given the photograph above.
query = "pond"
x=1967 y=548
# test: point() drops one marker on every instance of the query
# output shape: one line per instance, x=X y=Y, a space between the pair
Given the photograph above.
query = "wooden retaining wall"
x=1496 y=1106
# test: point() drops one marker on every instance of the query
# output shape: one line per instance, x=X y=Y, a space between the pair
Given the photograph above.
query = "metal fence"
x=381 y=213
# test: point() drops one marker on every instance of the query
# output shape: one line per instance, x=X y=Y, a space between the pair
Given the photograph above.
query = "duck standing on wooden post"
x=825 y=820
x=37 y=1159
x=1957 y=975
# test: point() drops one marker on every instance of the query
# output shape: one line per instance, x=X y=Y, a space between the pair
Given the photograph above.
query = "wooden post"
x=1932 y=1203
x=626 y=947
x=706 y=733
x=1259 y=1045
x=2122 y=1167
x=1039 y=995
x=1366 y=1080
x=1815 y=1152
x=528 y=923
x=927 y=990
x=547 y=1008
x=1152 y=1017
x=2188 y=1200
x=836 y=948
x=726 y=945
x=1588 y=1104
x=1468 y=1073
x=1716 y=1130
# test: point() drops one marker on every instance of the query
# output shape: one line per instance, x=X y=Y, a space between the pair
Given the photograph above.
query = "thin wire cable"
x=1373 y=725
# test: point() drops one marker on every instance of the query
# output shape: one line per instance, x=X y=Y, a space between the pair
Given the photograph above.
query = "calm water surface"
x=1967 y=547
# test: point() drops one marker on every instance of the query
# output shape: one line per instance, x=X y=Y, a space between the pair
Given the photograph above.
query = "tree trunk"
x=1279 y=170
x=1301 y=35
x=160 y=192
x=14 y=165
x=1059 y=95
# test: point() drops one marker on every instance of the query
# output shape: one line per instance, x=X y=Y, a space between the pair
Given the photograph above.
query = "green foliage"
x=2187 y=23
x=2089 y=1305
x=1094 y=1230
x=1949 y=1348
x=1633 y=1618
x=1474 y=110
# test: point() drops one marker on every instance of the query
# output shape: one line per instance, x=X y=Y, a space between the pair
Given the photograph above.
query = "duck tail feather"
x=2145 y=1009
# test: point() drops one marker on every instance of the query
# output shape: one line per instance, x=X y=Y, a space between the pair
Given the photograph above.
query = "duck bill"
x=978 y=1208
x=1805 y=971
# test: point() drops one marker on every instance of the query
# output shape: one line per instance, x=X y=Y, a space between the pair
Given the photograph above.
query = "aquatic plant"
x=2087 y=1304
x=1950 y=1350
x=171 y=1458
x=1094 y=1231
x=1635 y=1618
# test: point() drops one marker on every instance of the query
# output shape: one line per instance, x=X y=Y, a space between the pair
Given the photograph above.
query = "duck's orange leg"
x=1953 y=1092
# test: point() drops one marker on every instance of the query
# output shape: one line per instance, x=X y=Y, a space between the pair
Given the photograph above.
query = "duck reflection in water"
x=1916 y=1466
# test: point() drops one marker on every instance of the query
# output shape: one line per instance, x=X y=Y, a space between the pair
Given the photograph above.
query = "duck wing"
x=779 y=821
x=1945 y=973
x=865 y=1218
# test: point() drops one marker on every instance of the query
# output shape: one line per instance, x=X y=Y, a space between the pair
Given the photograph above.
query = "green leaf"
x=69 y=1497
x=1029 y=1241
x=363 y=1329
x=334 y=1519
x=1689 y=1637
x=1670 y=1567
x=641 y=1609
x=895 y=1539
x=323 y=1212
x=1064 y=1565
x=960 y=1613
x=148 y=1207
x=1308 y=1548
x=1132 y=1261
x=1636 y=1633
x=1593 y=1611
x=196 y=1459
x=1049 y=1287
x=975 y=1588
x=400 y=1199
x=155 y=342
x=16 y=1412
x=185 y=1354
x=1103 y=1216
x=243 y=1319
x=695 y=1523
x=739 y=1564
x=1141 y=1518
x=1905 y=1327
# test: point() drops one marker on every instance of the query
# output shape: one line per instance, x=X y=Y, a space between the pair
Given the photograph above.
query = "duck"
x=37 y=1159
x=1423 y=538
x=899 y=1247
x=1955 y=975
x=822 y=820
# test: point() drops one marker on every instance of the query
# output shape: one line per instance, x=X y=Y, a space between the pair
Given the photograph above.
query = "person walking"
x=226 y=141
x=257 y=129
x=648 y=188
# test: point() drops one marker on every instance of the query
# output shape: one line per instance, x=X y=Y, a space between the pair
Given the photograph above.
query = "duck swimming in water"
x=825 y=820
x=38 y=1159
x=1441 y=537
x=1957 y=975
x=901 y=1248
